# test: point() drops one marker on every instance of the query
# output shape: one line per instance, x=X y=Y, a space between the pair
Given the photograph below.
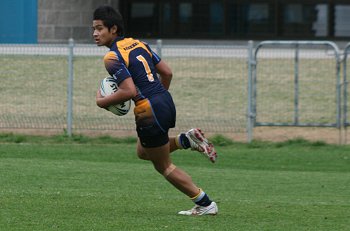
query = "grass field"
x=81 y=183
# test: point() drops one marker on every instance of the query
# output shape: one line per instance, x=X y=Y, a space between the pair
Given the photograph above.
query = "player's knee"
x=142 y=155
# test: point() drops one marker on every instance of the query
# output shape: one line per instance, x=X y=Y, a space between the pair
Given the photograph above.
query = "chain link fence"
x=297 y=84
x=33 y=86
x=209 y=88
x=225 y=89
x=302 y=79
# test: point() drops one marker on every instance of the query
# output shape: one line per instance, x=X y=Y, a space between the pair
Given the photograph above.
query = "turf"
x=99 y=184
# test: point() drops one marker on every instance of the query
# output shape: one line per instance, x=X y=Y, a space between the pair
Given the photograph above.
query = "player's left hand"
x=98 y=94
x=98 y=98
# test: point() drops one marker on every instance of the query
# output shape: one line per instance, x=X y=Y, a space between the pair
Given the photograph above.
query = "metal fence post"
x=70 y=87
x=159 y=47
x=338 y=90
x=345 y=92
x=250 y=114
x=296 y=85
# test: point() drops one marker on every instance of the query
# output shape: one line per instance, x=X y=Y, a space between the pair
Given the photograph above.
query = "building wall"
x=18 y=21
x=59 y=20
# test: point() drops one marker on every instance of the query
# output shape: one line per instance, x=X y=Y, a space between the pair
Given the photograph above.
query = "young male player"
x=135 y=68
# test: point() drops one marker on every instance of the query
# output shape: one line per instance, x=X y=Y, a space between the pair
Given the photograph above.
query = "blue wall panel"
x=18 y=21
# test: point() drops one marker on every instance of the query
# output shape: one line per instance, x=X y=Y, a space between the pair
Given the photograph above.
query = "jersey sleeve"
x=155 y=58
x=116 y=67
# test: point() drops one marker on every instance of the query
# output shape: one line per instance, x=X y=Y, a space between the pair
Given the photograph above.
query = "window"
x=216 y=18
x=142 y=10
x=185 y=12
x=143 y=19
x=299 y=20
x=238 y=19
x=342 y=20
x=320 y=25
x=258 y=13
x=293 y=13
x=185 y=19
x=166 y=20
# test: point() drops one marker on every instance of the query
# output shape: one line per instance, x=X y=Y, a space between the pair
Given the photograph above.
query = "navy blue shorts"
x=154 y=117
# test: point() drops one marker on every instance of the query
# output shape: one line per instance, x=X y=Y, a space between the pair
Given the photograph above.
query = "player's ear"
x=114 y=29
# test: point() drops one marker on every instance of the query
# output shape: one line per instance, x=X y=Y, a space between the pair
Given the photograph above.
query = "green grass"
x=81 y=183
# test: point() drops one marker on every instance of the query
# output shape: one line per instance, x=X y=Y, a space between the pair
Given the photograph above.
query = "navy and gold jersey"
x=154 y=110
x=133 y=58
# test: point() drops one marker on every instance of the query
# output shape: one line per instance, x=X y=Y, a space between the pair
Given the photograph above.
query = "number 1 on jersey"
x=146 y=66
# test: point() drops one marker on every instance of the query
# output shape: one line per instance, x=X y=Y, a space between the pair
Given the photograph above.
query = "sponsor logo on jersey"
x=131 y=46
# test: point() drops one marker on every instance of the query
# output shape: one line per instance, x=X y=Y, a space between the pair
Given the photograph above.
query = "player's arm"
x=165 y=74
x=163 y=69
x=126 y=87
x=126 y=91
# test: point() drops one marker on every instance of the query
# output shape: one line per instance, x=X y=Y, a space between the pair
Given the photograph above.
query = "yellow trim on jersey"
x=126 y=45
x=109 y=58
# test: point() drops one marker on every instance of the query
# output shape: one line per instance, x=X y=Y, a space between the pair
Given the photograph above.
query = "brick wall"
x=59 y=20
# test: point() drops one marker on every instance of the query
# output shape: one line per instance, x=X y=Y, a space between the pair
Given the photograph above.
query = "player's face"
x=103 y=36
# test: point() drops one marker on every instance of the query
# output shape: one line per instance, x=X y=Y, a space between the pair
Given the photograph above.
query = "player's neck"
x=112 y=41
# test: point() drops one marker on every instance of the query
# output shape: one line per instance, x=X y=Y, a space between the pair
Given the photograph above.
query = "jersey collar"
x=114 y=44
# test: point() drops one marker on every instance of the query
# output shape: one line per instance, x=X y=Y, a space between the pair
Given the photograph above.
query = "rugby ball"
x=108 y=87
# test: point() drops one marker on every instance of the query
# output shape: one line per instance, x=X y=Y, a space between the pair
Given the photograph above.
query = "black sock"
x=205 y=201
x=185 y=143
